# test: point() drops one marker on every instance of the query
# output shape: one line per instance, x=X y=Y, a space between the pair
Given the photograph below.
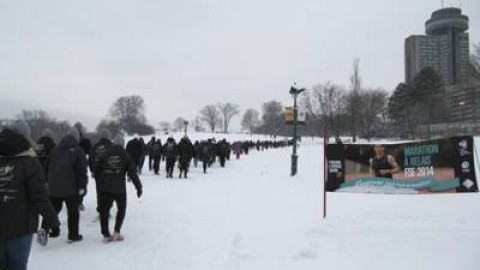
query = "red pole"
x=324 y=173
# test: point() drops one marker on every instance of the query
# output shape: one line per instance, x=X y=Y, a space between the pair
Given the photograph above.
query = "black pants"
x=156 y=164
x=183 y=166
x=141 y=161
x=205 y=165
x=105 y=203
x=222 y=161
x=73 y=214
x=170 y=165
x=151 y=161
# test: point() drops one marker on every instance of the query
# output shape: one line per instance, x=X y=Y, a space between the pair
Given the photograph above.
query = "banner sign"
x=437 y=166
x=290 y=116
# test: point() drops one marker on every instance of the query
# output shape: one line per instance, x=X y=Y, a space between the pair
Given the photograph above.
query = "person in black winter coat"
x=185 y=152
x=143 y=147
x=67 y=181
x=23 y=196
x=196 y=153
x=157 y=151
x=151 y=153
x=205 y=153
x=44 y=145
x=135 y=148
x=113 y=168
x=170 y=153
x=222 y=151
x=98 y=151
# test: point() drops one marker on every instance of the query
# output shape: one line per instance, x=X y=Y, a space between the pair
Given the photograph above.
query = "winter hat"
x=21 y=127
x=104 y=134
x=74 y=133
x=119 y=140
x=47 y=133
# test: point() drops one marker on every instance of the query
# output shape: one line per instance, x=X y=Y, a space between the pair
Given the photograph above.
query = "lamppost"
x=295 y=92
x=185 y=123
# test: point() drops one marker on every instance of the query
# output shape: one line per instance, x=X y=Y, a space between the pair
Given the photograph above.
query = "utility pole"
x=295 y=92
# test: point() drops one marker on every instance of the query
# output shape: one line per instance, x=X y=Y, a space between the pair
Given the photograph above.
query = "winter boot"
x=42 y=237
x=117 y=237
x=75 y=238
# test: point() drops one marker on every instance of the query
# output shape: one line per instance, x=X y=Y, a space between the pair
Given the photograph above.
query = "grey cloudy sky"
x=74 y=58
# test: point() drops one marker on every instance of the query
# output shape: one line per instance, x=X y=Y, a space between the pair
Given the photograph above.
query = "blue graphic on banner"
x=419 y=184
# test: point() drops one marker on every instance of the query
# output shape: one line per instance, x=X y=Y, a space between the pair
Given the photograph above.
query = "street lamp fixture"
x=295 y=92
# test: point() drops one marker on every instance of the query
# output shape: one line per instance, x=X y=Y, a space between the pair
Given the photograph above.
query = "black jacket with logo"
x=113 y=168
x=98 y=152
x=23 y=193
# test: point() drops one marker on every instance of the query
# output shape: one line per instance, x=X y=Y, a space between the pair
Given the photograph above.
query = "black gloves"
x=139 y=193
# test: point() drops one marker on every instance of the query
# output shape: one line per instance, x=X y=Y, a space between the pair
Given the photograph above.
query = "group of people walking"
x=39 y=178
x=34 y=183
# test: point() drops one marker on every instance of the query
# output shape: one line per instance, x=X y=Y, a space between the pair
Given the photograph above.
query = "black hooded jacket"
x=99 y=150
x=23 y=193
x=111 y=171
x=67 y=169
x=44 y=147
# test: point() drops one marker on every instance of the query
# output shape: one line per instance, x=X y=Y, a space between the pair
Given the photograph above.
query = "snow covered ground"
x=253 y=215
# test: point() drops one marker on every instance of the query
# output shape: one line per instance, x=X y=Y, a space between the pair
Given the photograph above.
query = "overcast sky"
x=74 y=58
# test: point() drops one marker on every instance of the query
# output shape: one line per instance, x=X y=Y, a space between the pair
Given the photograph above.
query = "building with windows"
x=445 y=47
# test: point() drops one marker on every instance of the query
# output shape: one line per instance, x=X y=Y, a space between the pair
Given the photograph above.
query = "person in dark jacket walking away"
x=196 y=153
x=113 y=168
x=44 y=145
x=67 y=181
x=23 y=196
x=135 y=150
x=205 y=154
x=185 y=152
x=223 y=150
x=170 y=154
x=151 y=153
x=157 y=151
x=143 y=147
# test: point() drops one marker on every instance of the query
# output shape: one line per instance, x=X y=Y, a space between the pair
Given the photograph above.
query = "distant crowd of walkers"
x=38 y=178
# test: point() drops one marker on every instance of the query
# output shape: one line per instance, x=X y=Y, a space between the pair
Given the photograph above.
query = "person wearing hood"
x=170 y=152
x=23 y=196
x=98 y=151
x=111 y=186
x=67 y=181
x=185 y=152
x=45 y=144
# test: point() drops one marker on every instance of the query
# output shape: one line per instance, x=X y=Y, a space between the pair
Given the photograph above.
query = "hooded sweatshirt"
x=67 y=169
x=23 y=193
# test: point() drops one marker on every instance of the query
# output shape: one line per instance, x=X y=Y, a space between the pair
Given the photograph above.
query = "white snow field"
x=253 y=215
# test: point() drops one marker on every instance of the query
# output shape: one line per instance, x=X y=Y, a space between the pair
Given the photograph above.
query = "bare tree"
x=211 y=116
x=197 y=125
x=374 y=102
x=354 y=98
x=228 y=110
x=179 y=124
x=38 y=120
x=272 y=116
x=129 y=112
x=326 y=101
x=250 y=120
x=111 y=125
x=164 y=126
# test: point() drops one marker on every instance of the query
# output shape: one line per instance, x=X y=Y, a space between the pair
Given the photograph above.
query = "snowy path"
x=252 y=215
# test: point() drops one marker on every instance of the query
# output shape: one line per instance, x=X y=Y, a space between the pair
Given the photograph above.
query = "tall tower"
x=445 y=47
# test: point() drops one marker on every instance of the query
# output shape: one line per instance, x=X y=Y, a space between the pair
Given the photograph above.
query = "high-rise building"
x=445 y=47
